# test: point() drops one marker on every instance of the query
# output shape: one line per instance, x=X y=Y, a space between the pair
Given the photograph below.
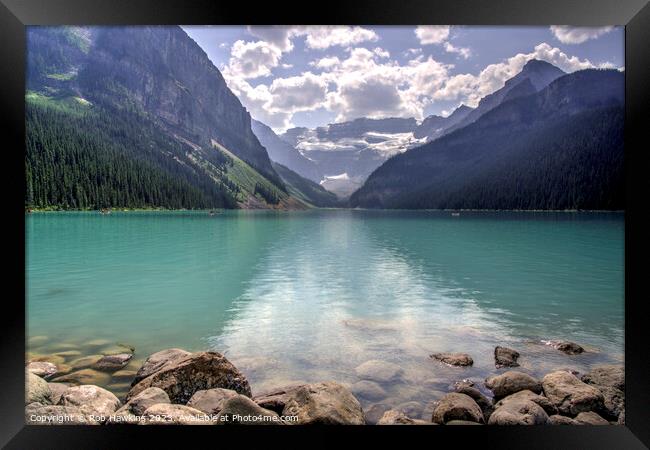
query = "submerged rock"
x=123 y=375
x=455 y=406
x=112 y=363
x=368 y=390
x=511 y=382
x=182 y=377
x=85 y=362
x=570 y=395
x=241 y=410
x=411 y=409
x=84 y=376
x=327 y=403
x=505 y=357
x=570 y=348
x=376 y=370
x=453 y=359
x=37 y=390
x=157 y=361
x=91 y=400
x=211 y=401
x=42 y=369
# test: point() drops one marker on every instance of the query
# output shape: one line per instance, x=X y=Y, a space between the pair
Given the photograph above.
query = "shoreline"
x=568 y=211
x=182 y=386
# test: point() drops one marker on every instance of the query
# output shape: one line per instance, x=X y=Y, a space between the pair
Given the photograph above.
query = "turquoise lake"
x=309 y=296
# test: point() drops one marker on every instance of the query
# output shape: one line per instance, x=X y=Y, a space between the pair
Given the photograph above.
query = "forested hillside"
x=560 y=148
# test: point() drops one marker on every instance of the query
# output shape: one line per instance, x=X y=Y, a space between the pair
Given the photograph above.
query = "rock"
x=211 y=401
x=376 y=370
x=613 y=402
x=510 y=382
x=481 y=400
x=168 y=414
x=157 y=361
x=557 y=419
x=182 y=377
x=112 y=363
x=527 y=395
x=54 y=359
x=241 y=410
x=570 y=395
x=570 y=348
x=393 y=417
x=368 y=390
x=518 y=412
x=277 y=398
x=39 y=414
x=462 y=422
x=411 y=409
x=606 y=375
x=117 y=349
x=141 y=402
x=373 y=413
x=590 y=418
x=96 y=343
x=91 y=400
x=123 y=375
x=42 y=369
x=455 y=406
x=84 y=376
x=37 y=390
x=37 y=340
x=453 y=359
x=324 y=403
x=57 y=389
x=505 y=357
x=85 y=362
x=621 y=418
x=68 y=354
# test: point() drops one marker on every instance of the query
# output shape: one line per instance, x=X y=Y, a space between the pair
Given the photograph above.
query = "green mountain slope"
x=306 y=190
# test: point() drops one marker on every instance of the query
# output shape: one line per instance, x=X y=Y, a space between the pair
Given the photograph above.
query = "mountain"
x=107 y=79
x=558 y=148
x=346 y=153
x=433 y=126
x=306 y=190
x=284 y=153
x=533 y=77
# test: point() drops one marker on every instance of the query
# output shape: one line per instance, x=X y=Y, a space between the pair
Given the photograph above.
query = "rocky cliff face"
x=161 y=71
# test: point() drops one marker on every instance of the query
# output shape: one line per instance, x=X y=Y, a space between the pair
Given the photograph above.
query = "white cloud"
x=323 y=37
x=471 y=88
x=276 y=35
x=462 y=51
x=577 y=35
x=252 y=59
x=300 y=93
x=326 y=63
x=432 y=34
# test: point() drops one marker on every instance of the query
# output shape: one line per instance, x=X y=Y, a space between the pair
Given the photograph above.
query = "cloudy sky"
x=309 y=76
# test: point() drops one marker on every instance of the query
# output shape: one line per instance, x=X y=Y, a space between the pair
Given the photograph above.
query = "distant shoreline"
x=50 y=210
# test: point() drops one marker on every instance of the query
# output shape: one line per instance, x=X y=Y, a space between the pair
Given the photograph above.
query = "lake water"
x=308 y=296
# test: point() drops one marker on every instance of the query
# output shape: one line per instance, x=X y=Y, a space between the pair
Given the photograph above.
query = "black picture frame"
x=634 y=14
